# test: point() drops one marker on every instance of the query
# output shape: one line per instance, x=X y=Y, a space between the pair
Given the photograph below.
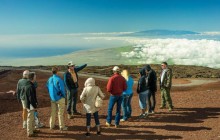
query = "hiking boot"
x=40 y=125
x=64 y=128
x=69 y=116
x=107 y=124
x=87 y=134
x=99 y=133
x=170 y=109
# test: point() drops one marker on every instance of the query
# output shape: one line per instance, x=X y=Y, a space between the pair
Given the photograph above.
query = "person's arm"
x=60 y=87
x=101 y=94
x=79 y=68
x=83 y=96
x=169 y=78
x=109 y=85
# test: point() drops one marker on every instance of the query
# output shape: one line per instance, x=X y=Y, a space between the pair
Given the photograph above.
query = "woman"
x=88 y=98
x=127 y=96
x=143 y=92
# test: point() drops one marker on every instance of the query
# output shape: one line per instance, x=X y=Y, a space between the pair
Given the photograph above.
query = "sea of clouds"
x=176 y=51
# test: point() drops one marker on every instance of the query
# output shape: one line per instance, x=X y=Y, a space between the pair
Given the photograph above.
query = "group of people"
x=120 y=86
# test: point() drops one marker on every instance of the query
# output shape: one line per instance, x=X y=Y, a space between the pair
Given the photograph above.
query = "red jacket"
x=116 y=84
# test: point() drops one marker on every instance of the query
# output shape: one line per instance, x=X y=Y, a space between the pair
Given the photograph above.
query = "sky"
x=19 y=17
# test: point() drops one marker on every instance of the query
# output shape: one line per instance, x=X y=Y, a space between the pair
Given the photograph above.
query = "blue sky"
x=83 y=16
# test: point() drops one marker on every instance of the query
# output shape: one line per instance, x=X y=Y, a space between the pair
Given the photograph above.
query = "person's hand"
x=11 y=91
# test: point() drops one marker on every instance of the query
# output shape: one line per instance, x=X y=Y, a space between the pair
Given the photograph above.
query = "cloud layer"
x=176 y=51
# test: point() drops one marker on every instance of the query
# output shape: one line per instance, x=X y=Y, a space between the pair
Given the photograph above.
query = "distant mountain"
x=162 y=33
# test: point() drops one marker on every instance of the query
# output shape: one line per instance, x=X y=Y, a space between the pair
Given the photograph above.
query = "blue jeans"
x=72 y=96
x=112 y=101
x=144 y=99
x=126 y=106
x=88 y=119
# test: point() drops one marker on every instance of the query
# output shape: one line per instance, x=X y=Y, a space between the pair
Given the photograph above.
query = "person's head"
x=70 y=65
x=164 y=65
x=90 y=82
x=32 y=76
x=142 y=72
x=116 y=69
x=55 y=70
x=147 y=68
x=26 y=73
x=125 y=74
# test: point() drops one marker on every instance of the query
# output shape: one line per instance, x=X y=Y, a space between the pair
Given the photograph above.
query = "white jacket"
x=89 y=94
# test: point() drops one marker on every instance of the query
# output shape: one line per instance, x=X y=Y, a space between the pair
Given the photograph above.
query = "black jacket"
x=30 y=92
x=152 y=79
x=142 y=85
x=68 y=80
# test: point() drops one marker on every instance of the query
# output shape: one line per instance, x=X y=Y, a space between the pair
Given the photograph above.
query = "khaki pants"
x=24 y=113
x=60 y=104
x=165 y=97
x=30 y=122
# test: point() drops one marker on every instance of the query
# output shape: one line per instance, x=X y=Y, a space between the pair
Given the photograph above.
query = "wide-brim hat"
x=70 y=63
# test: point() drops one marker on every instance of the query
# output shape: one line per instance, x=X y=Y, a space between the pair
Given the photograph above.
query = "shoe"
x=170 y=109
x=40 y=125
x=152 y=112
x=69 y=116
x=99 y=133
x=107 y=124
x=142 y=116
x=24 y=124
x=76 y=113
x=122 y=120
x=64 y=128
x=162 y=107
x=52 y=128
x=32 y=135
x=87 y=134
x=36 y=131
x=116 y=126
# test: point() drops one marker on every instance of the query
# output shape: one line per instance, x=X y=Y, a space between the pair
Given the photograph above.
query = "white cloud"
x=178 y=51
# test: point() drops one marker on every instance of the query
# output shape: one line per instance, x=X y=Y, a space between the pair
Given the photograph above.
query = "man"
x=71 y=82
x=31 y=104
x=21 y=95
x=165 y=86
x=116 y=85
x=152 y=83
x=56 y=89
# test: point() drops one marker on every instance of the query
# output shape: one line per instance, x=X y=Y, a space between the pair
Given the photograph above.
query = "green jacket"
x=20 y=89
x=167 y=78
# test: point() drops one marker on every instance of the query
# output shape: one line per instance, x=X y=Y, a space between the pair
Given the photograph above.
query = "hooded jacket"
x=89 y=94
x=142 y=85
x=30 y=95
x=152 y=78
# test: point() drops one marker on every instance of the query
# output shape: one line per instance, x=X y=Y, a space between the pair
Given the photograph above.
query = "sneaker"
x=152 y=112
x=87 y=134
x=76 y=113
x=116 y=126
x=122 y=120
x=142 y=116
x=107 y=124
x=99 y=133
x=52 y=128
x=170 y=109
x=64 y=128
x=69 y=116
x=40 y=125
x=36 y=131
x=24 y=124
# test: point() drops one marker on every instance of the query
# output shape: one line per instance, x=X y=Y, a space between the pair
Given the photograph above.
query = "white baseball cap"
x=116 y=68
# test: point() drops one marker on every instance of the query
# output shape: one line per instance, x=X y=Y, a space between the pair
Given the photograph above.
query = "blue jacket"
x=56 y=89
x=130 y=84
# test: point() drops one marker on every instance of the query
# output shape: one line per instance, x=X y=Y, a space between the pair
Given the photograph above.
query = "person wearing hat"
x=116 y=85
x=71 y=82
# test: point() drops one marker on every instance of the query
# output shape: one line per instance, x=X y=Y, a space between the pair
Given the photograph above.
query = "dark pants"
x=88 y=119
x=148 y=100
x=112 y=101
x=152 y=101
x=72 y=96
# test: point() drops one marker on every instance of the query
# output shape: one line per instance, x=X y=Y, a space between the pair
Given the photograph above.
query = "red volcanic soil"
x=196 y=114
